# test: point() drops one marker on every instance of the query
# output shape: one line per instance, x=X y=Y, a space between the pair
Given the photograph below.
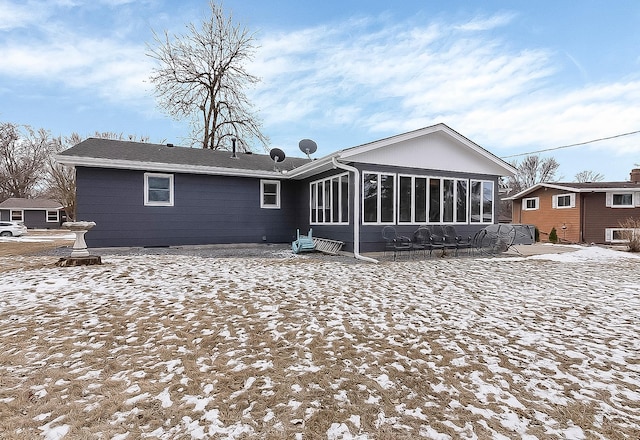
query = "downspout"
x=356 y=210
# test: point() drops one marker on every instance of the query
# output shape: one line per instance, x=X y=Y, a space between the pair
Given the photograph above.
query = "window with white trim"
x=378 y=198
x=481 y=201
x=562 y=201
x=329 y=200
x=620 y=235
x=622 y=200
x=440 y=200
x=53 y=216
x=17 y=215
x=158 y=189
x=270 y=194
x=531 y=203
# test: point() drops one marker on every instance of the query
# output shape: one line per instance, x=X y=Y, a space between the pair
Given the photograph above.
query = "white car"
x=12 y=229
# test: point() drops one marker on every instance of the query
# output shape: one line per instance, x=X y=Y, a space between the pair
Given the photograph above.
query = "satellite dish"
x=277 y=155
x=307 y=146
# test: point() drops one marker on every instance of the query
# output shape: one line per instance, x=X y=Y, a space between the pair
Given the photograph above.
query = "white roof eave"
x=168 y=167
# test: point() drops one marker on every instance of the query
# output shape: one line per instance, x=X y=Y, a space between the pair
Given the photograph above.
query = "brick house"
x=589 y=212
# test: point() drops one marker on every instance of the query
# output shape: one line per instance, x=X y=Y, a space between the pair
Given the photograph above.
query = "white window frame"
x=483 y=184
x=608 y=234
x=51 y=219
x=378 y=221
x=572 y=201
x=263 y=204
x=536 y=203
x=16 y=218
x=148 y=202
x=428 y=179
x=635 y=199
x=327 y=205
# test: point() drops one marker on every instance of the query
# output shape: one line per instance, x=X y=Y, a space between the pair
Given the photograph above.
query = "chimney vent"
x=233 y=148
x=635 y=175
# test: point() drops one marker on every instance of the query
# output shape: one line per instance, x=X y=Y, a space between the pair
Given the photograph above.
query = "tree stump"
x=79 y=261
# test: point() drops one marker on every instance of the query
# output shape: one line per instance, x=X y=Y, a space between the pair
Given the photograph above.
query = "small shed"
x=33 y=213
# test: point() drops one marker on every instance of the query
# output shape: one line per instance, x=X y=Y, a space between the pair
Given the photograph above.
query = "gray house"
x=143 y=194
x=33 y=213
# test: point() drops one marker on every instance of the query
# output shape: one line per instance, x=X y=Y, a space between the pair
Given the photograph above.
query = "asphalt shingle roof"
x=20 y=203
x=162 y=154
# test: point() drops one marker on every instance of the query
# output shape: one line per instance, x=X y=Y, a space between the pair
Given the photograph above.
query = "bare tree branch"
x=202 y=76
x=23 y=158
x=588 y=176
x=533 y=170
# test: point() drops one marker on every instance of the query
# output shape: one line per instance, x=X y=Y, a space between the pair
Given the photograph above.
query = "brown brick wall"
x=546 y=217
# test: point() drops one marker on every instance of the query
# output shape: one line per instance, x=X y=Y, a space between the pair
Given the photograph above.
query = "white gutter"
x=167 y=167
x=356 y=210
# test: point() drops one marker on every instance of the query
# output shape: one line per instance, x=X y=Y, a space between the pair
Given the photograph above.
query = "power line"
x=573 y=145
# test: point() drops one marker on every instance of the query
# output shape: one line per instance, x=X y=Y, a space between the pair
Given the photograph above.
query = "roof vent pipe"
x=233 y=148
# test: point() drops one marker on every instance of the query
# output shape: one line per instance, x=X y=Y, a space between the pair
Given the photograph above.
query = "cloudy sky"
x=513 y=76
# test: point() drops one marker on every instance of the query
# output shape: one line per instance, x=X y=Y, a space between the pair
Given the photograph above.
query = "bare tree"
x=202 y=76
x=23 y=159
x=61 y=180
x=533 y=170
x=588 y=176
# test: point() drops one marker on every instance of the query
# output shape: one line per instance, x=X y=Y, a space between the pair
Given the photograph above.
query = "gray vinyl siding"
x=371 y=235
x=33 y=218
x=207 y=210
x=220 y=209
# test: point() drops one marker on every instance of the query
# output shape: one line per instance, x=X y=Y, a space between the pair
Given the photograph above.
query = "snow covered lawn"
x=169 y=346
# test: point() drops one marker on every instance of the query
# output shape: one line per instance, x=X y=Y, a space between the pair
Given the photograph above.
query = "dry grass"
x=116 y=350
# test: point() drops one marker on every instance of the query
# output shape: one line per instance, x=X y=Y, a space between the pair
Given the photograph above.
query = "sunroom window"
x=379 y=198
x=481 y=201
x=329 y=200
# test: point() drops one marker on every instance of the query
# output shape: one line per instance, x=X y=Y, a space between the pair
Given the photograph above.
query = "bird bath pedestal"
x=79 y=254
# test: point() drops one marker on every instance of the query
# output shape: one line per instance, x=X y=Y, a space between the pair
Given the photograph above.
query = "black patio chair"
x=422 y=241
x=439 y=237
x=395 y=243
x=452 y=236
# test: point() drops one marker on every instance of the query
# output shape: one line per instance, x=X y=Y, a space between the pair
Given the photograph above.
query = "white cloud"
x=392 y=78
x=486 y=23
x=18 y=15
x=54 y=52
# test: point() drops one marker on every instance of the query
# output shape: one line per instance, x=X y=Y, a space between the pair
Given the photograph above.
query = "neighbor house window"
x=561 y=201
x=158 y=189
x=481 y=201
x=378 y=203
x=17 y=215
x=53 y=216
x=329 y=200
x=620 y=200
x=270 y=194
x=530 y=203
x=619 y=235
